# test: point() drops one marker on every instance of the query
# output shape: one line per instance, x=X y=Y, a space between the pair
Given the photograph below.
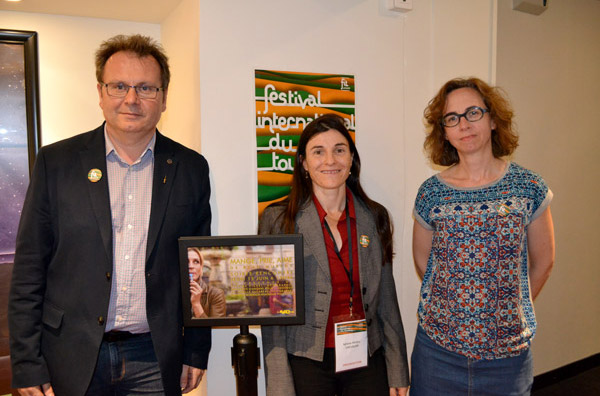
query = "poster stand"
x=245 y=359
x=246 y=280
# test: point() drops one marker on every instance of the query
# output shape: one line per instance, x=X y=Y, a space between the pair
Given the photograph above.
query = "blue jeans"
x=127 y=367
x=437 y=371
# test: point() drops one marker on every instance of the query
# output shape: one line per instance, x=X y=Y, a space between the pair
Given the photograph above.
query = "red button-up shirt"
x=339 y=308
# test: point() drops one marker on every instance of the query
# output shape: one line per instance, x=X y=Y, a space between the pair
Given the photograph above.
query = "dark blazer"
x=63 y=264
x=380 y=303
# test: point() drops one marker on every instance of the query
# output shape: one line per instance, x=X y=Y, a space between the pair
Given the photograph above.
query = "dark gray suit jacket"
x=64 y=262
x=378 y=296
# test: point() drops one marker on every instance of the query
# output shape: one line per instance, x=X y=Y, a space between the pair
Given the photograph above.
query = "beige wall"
x=181 y=121
x=180 y=34
x=68 y=95
x=549 y=65
x=434 y=52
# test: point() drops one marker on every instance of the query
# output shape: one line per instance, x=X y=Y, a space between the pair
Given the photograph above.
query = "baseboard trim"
x=562 y=373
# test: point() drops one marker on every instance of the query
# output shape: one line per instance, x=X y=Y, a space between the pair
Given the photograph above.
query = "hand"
x=190 y=378
x=195 y=298
x=43 y=390
x=398 y=391
x=195 y=291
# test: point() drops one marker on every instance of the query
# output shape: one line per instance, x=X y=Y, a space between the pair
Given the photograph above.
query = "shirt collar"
x=110 y=148
x=349 y=199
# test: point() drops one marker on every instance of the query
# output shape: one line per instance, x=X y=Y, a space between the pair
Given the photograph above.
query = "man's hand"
x=190 y=378
x=43 y=390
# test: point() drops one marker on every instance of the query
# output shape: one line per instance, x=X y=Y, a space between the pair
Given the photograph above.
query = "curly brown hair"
x=141 y=46
x=504 y=136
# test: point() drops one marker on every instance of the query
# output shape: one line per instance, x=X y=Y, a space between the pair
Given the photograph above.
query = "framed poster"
x=242 y=280
x=19 y=129
x=19 y=141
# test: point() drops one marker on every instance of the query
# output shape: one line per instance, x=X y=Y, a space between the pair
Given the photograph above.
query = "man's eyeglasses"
x=472 y=114
x=119 y=90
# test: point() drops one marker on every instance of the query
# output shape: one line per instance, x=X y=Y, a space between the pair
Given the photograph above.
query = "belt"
x=116 y=336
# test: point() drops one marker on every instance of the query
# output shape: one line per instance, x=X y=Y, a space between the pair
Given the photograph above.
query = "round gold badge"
x=94 y=175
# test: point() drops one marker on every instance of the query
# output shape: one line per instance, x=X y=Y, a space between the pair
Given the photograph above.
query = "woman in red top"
x=348 y=276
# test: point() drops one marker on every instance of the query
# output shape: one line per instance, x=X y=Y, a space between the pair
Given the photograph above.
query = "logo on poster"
x=344 y=85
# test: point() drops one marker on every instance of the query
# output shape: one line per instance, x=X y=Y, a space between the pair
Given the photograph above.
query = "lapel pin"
x=502 y=209
x=94 y=175
x=364 y=241
x=169 y=162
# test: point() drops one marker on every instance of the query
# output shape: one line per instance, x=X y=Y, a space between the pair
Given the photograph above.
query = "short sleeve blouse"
x=475 y=297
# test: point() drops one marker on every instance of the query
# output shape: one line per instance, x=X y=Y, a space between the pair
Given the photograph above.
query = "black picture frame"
x=29 y=41
x=19 y=129
x=19 y=142
x=260 y=277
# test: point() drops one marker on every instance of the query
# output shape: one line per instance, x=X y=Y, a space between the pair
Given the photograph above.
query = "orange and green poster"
x=285 y=103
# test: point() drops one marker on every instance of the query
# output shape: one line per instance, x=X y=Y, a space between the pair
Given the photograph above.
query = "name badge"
x=351 y=345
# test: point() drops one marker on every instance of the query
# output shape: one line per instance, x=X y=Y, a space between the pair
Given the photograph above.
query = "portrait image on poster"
x=242 y=280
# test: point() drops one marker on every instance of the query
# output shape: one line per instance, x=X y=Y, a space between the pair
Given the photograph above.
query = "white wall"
x=182 y=118
x=68 y=95
x=181 y=121
x=438 y=39
x=398 y=60
x=549 y=65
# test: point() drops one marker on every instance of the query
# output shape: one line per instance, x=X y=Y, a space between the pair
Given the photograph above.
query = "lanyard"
x=350 y=253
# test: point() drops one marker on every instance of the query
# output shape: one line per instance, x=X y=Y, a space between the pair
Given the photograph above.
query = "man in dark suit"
x=95 y=300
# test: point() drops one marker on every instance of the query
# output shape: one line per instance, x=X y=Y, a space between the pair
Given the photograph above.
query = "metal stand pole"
x=245 y=359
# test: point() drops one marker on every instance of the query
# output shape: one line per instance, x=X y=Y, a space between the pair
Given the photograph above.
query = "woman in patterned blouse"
x=483 y=244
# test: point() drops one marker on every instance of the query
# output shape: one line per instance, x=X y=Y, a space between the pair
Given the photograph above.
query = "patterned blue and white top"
x=475 y=297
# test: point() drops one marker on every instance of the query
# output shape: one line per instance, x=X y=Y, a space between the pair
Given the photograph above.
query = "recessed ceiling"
x=149 y=11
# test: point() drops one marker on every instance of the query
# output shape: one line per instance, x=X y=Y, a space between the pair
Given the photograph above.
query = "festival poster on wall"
x=285 y=103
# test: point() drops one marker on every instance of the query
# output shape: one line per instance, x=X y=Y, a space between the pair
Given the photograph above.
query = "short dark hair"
x=504 y=137
x=141 y=46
